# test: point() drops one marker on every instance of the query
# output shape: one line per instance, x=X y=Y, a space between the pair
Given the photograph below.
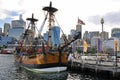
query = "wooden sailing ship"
x=39 y=55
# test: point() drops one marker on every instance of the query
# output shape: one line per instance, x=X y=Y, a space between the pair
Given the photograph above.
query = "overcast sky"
x=90 y=11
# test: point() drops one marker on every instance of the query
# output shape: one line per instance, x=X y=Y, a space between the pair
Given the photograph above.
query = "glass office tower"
x=56 y=35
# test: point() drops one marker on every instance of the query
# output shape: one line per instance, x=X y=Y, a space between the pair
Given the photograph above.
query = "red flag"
x=81 y=22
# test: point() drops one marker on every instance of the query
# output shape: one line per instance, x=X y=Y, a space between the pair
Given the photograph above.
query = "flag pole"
x=98 y=47
x=82 y=56
x=116 y=46
x=97 y=53
x=83 y=51
x=85 y=46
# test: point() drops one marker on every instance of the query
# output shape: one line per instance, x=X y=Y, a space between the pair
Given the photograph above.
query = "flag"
x=99 y=45
x=80 y=21
x=85 y=46
x=116 y=46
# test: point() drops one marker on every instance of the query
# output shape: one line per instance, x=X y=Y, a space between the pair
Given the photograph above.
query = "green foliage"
x=1 y=47
x=79 y=51
x=93 y=50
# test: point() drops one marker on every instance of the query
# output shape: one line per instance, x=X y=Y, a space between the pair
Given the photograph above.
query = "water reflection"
x=10 y=71
x=52 y=76
x=40 y=76
x=82 y=76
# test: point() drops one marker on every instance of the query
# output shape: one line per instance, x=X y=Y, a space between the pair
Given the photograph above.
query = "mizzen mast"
x=51 y=10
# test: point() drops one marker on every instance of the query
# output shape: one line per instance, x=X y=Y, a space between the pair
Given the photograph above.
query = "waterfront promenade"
x=107 y=67
x=103 y=65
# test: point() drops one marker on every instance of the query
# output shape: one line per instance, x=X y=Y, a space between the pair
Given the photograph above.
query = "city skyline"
x=90 y=12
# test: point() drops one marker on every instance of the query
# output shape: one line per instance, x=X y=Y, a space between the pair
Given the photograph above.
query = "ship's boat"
x=40 y=55
x=7 y=51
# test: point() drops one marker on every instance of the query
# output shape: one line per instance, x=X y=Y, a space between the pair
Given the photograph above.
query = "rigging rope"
x=65 y=39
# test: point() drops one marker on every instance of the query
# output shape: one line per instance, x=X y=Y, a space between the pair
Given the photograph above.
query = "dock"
x=105 y=68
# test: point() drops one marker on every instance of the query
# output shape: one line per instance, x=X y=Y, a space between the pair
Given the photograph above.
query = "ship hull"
x=47 y=70
x=43 y=64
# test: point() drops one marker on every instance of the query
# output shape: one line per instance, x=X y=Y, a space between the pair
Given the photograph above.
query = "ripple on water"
x=9 y=71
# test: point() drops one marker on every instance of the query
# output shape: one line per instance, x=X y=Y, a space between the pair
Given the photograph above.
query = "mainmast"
x=51 y=10
x=32 y=28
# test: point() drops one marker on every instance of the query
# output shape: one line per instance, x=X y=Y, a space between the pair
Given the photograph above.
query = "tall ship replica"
x=39 y=55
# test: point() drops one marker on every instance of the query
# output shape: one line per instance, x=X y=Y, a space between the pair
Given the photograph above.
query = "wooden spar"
x=32 y=32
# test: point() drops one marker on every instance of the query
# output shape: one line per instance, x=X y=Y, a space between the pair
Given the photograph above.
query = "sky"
x=89 y=11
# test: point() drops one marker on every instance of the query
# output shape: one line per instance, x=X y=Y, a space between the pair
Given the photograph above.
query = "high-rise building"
x=56 y=35
x=94 y=34
x=109 y=44
x=6 y=28
x=115 y=32
x=16 y=32
x=73 y=32
x=86 y=37
x=79 y=30
x=104 y=35
x=0 y=31
x=18 y=23
x=17 y=28
x=94 y=41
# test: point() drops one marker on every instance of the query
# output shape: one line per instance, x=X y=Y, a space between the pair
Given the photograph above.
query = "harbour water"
x=10 y=71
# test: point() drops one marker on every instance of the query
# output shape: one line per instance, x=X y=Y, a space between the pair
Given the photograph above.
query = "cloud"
x=20 y=2
x=10 y=8
x=9 y=14
x=115 y=0
x=7 y=20
x=6 y=16
x=94 y=19
x=111 y=18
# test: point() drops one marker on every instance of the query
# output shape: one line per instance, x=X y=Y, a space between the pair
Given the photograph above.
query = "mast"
x=51 y=10
x=32 y=28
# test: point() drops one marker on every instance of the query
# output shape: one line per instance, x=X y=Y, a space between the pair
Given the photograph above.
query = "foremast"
x=50 y=10
x=32 y=29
